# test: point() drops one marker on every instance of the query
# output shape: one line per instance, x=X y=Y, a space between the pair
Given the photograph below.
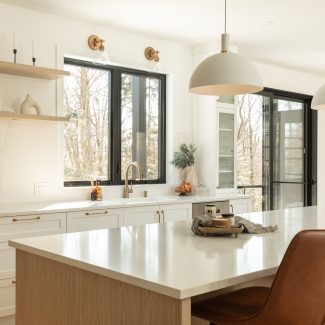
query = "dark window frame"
x=115 y=132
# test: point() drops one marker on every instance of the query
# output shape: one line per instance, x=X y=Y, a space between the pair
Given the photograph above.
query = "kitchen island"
x=143 y=274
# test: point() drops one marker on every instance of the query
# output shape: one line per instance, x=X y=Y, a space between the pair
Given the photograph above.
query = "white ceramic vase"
x=30 y=106
x=189 y=175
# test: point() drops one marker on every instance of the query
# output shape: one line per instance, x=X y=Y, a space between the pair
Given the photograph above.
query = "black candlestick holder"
x=15 y=55
x=34 y=61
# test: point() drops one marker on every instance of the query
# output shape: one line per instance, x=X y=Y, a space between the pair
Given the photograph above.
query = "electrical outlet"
x=43 y=188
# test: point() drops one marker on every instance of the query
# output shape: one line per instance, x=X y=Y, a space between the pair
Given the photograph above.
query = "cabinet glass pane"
x=226 y=99
x=226 y=150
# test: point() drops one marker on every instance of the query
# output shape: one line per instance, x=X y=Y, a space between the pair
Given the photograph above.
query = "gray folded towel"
x=253 y=228
x=249 y=227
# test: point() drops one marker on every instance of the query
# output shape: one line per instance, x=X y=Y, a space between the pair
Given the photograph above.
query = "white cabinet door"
x=7 y=297
x=175 y=212
x=242 y=205
x=32 y=225
x=94 y=219
x=18 y=227
x=141 y=215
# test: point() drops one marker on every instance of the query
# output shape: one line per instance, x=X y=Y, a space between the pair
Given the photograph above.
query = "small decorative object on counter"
x=145 y=193
x=184 y=160
x=99 y=195
x=184 y=189
x=230 y=217
x=210 y=210
x=30 y=105
x=96 y=191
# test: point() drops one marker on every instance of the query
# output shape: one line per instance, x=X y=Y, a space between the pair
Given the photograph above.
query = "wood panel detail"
x=52 y=293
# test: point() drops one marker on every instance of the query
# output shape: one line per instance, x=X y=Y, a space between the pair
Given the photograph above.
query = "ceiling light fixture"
x=318 y=101
x=225 y=73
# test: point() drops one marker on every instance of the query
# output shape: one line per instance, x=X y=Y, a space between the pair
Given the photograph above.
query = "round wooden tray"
x=221 y=231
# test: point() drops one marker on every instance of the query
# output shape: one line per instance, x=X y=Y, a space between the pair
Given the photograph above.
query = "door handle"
x=95 y=213
x=163 y=214
x=25 y=219
x=158 y=214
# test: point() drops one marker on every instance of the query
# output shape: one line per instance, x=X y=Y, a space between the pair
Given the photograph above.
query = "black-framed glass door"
x=287 y=161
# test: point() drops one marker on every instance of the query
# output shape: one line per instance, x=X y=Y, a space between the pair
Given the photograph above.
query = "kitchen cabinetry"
x=141 y=215
x=157 y=214
x=17 y=227
x=175 y=212
x=214 y=134
x=94 y=219
x=242 y=205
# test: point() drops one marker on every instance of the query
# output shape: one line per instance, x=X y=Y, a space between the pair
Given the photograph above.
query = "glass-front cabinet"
x=214 y=134
x=226 y=150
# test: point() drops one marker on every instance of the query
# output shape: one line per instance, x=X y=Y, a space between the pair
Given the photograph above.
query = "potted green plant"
x=184 y=160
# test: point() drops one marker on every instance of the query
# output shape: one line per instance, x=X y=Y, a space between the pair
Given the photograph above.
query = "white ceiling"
x=290 y=33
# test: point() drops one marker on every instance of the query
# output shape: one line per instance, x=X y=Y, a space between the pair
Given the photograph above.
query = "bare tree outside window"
x=87 y=103
x=140 y=124
x=250 y=146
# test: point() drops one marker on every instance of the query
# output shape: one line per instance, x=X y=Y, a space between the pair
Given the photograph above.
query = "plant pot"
x=189 y=175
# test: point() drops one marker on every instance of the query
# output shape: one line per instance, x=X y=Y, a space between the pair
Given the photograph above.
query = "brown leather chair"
x=297 y=295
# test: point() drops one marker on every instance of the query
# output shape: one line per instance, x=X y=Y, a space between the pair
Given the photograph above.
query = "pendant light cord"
x=225 y=16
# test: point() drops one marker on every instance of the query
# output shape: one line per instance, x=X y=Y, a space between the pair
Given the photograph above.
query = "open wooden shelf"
x=10 y=116
x=25 y=70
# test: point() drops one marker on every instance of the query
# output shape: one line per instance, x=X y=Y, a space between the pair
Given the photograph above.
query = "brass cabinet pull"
x=95 y=213
x=25 y=219
x=158 y=214
x=163 y=214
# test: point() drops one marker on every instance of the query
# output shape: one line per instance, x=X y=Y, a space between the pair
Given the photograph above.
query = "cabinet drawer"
x=31 y=225
x=141 y=215
x=7 y=261
x=7 y=297
x=176 y=212
x=94 y=219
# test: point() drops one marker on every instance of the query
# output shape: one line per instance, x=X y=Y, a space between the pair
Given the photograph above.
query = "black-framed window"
x=118 y=115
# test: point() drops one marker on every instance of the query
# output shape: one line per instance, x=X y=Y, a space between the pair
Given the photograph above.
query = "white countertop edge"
x=152 y=286
x=7 y=209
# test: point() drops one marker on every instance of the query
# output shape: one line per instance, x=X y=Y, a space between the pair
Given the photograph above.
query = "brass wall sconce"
x=96 y=43
x=151 y=54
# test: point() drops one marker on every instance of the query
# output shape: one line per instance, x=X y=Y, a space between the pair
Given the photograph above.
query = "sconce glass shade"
x=225 y=74
x=318 y=101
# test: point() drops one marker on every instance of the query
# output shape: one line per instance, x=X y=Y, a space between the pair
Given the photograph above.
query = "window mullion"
x=116 y=126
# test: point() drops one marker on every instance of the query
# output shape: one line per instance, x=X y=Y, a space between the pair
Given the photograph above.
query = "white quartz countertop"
x=20 y=208
x=169 y=259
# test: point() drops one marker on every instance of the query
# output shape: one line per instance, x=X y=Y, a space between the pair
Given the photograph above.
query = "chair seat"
x=236 y=305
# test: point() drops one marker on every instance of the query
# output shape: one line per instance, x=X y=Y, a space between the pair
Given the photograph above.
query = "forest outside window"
x=117 y=116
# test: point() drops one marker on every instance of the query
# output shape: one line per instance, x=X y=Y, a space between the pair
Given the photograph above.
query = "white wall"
x=32 y=152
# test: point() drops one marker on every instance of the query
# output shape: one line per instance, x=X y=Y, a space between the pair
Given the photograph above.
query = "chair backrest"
x=297 y=295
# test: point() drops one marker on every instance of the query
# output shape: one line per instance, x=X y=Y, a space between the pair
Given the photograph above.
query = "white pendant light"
x=225 y=73
x=318 y=101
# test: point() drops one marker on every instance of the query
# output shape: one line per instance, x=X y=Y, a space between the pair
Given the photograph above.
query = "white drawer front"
x=176 y=212
x=94 y=219
x=141 y=215
x=7 y=297
x=32 y=225
x=7 y=261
